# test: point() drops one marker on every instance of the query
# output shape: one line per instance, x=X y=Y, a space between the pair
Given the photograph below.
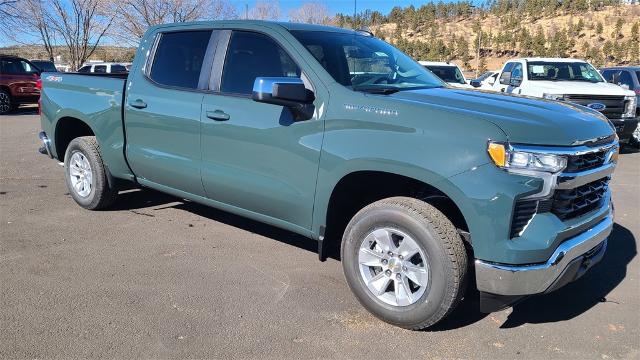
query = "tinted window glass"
x=85 y=69
x=449 y=74
x=607 y=74
x=118 y=68
x=178 y=58
x=516 y=73
x=18 y=67
x=365 y=63
x=251 y=55
x=508 y=67
x=625 y=79
x=100 y=69
x=563 y=71
x=47 y=66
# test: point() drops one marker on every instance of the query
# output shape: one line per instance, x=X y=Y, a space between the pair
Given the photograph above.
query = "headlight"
x=630 y=106
x=517 y=161
x=553 y=97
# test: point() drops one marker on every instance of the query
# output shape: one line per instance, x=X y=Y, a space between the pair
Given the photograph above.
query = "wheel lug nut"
x=388 y=272
x=385 y=261
x=398 y=276
x=400 y=257
x=404 y=268
x=390 y=253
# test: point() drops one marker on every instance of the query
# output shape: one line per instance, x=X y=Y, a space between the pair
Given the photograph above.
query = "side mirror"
x=515 y=81
x=615 y=78
x=475 y=83
x=505 y=78
x=288 y=92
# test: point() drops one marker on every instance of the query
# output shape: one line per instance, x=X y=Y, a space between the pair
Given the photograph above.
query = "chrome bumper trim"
x=573 y=180
x=501 y=279
x=46 y=145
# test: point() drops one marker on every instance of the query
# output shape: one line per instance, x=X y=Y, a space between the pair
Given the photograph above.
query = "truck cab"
x=573 y=81
x=448 y=72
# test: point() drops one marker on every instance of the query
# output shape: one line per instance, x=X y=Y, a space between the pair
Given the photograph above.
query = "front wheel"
x=635 y=137
x=6 y=103
x=86 y=175
x=405 y=262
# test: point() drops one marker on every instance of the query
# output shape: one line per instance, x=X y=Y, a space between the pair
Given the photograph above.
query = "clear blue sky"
x=341 y=6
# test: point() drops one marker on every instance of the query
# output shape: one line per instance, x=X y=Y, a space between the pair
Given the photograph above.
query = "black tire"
x=101 y=194
x=6 y=102
x=437 y=238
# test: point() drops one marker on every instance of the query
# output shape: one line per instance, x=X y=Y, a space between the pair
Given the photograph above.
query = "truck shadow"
x=134 y=199
x=566 y=303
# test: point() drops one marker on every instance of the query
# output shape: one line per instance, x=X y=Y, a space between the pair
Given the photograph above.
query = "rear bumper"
x=569 y=261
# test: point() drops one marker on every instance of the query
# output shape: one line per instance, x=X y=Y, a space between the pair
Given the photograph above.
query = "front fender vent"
x=523 y=212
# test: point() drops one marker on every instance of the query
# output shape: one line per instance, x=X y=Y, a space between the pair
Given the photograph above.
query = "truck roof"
x=290 y=26
x=436 y=63
x=543 y=59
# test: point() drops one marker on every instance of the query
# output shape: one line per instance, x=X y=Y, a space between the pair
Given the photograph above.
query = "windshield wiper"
x=376 y=90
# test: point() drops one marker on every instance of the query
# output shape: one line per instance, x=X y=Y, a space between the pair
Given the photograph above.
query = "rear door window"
x=178 y=58
x=85 y=69
x=251 y=55
x=100 y=69
x=625 y=79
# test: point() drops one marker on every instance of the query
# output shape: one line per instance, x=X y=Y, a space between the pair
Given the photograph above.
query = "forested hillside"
x=605 y=34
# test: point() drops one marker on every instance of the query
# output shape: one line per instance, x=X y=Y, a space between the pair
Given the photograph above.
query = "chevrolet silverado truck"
x=571 y=80
x=338 y=136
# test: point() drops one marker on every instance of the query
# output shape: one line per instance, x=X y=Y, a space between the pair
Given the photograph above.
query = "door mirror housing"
x=288 y=92
x=505 y=78
x=475 y=83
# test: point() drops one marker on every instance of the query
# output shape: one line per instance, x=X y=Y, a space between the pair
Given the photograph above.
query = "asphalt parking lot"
x=158 y=277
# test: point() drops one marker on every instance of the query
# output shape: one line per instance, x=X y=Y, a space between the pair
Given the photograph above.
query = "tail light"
x=637 y=91
x=39 y=84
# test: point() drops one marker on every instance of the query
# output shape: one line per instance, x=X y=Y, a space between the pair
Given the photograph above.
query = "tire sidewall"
x=432 y=301
x=81 y=146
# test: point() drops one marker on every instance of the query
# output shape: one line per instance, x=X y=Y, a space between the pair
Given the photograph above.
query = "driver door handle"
x=138 y=104
x=218 y=115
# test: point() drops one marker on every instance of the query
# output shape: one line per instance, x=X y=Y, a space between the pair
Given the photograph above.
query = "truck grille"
x=582 y=162
x=614 y=104
x=571 y=203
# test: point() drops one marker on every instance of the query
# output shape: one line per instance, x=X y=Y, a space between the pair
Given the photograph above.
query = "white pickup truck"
x=574 y=81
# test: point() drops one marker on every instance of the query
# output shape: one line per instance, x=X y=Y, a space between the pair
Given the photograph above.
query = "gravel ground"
x=158 y=277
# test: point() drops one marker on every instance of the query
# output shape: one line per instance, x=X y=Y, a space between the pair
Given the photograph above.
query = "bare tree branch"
x=265 y=10
x=311 y=13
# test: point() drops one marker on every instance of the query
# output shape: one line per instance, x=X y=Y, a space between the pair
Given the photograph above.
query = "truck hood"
x=578 y=87
x=524 y=120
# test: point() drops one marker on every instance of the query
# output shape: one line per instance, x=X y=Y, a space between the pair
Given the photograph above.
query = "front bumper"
x=569 y=261
x=625 y=127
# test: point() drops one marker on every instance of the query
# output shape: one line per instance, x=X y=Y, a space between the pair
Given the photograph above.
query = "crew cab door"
x=162 y=112
x=255 y=156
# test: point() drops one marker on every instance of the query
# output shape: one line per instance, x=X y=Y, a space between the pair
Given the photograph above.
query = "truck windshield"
x=365 y=63
x=450 y=74
x=563 y=71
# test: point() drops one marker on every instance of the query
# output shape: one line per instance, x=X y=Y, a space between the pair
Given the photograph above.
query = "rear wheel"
x=86 y=175
x=6 y=103
x=405 y=262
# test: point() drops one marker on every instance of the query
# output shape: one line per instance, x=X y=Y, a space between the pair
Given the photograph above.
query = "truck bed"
x=96 y=99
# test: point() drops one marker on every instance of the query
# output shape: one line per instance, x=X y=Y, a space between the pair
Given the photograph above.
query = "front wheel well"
x=67 y=129
x=359 y=189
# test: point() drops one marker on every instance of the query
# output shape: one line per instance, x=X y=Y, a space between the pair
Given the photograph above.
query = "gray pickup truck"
x=338 y=136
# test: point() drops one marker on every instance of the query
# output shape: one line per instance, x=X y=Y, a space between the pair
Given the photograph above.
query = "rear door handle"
x=138 y=104
x=218 y=115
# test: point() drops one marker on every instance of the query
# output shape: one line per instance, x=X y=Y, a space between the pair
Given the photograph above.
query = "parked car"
x=415 y=182
x=18 y=78
x=448 y=72
x=486 y=80
x=571 y=80
x=44 y=65
x=103 y=68
x=627 y=77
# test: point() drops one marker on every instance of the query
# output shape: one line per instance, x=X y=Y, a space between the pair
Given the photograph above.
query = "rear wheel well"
x=359 y=189
x=67 y=129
